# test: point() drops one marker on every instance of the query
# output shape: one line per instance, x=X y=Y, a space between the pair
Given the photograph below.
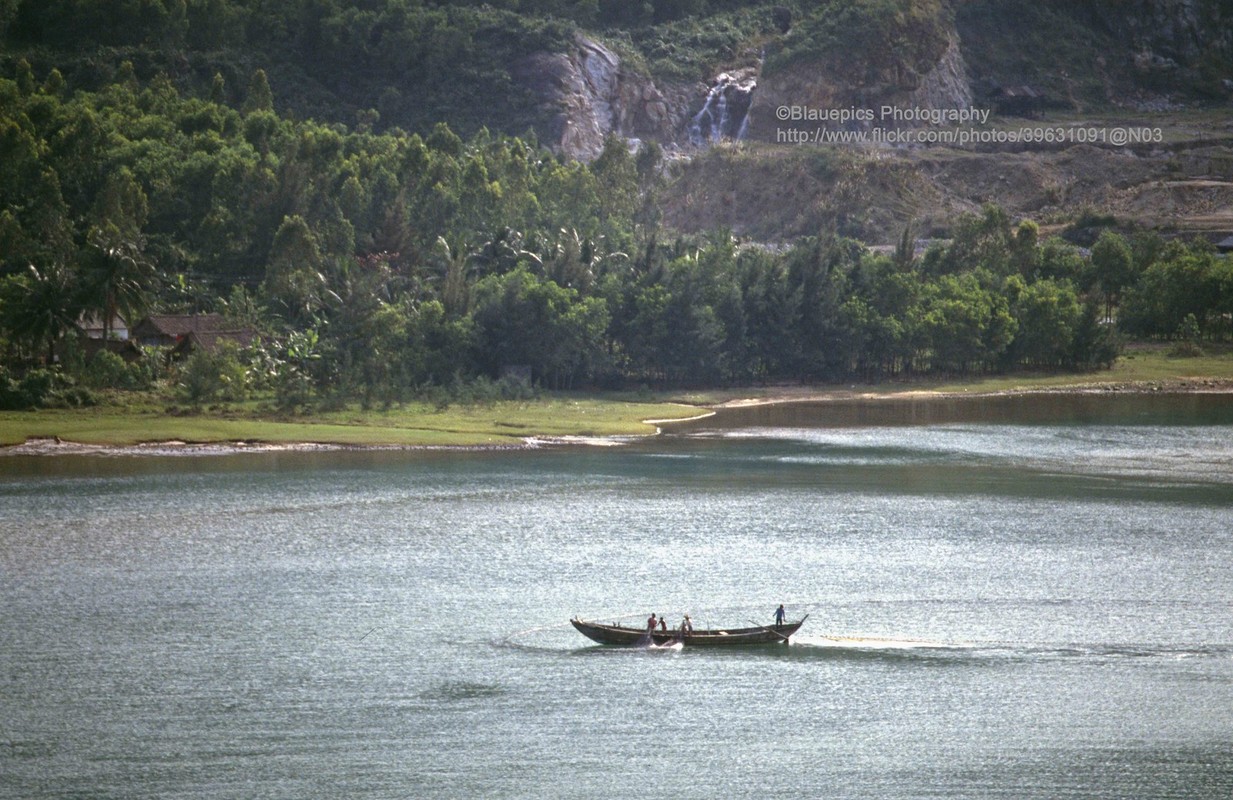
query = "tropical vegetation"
x=382 y=266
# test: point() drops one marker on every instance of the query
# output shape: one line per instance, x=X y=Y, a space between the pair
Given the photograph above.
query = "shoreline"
x=783 y=395
x=55 y=446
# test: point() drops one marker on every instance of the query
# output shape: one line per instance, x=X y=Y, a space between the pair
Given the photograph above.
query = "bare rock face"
x=855 y=105
x=1172 y=31
x=1173 y=39
x=947 y=85
x=587 y=94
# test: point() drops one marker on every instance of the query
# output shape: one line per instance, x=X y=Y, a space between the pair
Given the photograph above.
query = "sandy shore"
x=51 y=446
x=805 y=394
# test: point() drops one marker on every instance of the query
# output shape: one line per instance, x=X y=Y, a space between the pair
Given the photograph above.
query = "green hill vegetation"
x=410 y=64
x=392 y=249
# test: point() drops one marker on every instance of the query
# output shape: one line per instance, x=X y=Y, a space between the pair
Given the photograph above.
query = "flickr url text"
x=1116 y=136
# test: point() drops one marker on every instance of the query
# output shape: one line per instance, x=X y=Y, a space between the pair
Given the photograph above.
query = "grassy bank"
x=1143 y=367
x=502 y=423
x=511 y=422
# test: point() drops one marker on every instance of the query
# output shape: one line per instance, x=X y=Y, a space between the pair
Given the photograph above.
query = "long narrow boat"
x=632 y=637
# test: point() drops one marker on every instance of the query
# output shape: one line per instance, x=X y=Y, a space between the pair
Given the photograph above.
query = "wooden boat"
x=632 y=637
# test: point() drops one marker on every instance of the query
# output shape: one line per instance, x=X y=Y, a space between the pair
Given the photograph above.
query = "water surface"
x=1029 y=601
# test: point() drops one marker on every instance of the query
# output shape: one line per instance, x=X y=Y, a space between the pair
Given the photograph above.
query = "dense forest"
x=379 y=264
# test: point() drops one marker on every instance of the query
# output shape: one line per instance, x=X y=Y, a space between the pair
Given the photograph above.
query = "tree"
x=40 y=306
x=438 y=345
x=818 y=272
x=218 y=89
x=616 y=175
x=1112 y=264
x=259 y=97
x=1047 y=314
x=1060 y=260
x=983 y=241
x=1024 y=251
x=293 y=278
x=969 y=327
x=504 y=251
x=120 y=208
x=771 y=312
x=1184 y=281
x=1095 y=344
x=577 y=263
x=523 y=320
x=116 y=278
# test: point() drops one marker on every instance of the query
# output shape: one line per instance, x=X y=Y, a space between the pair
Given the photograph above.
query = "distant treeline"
x=378 y=265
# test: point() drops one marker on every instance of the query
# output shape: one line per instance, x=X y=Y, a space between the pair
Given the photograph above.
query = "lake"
x=1026 y=597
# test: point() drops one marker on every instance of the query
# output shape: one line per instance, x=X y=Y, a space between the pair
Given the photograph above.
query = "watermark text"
x=1118 y=136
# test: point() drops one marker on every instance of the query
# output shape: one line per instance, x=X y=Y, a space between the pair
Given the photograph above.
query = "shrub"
x=71 y=397
x=1188 y=335
x=207 y=376
x=108 y=370
x=42 y=388
x=10 y=395
x=36 y=386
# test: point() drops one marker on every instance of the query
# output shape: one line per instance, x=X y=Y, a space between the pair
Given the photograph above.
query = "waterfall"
x=725 y=114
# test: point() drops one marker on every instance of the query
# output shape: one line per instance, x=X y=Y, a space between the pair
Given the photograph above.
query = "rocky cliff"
x=1151 y=55
x=1180 y=42
x=587 y=93
x=1179 y=31
x=819 y=86
x=1145 y=54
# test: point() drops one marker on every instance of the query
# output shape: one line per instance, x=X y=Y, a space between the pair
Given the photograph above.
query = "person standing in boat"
x=650 y=623
x=780 y=616
x=687 y=627
x=663 y=624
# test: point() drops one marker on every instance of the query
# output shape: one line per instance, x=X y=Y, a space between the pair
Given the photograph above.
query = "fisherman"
x=687 y=627
x=780 y=615
x=663 y=624
x=650 y=623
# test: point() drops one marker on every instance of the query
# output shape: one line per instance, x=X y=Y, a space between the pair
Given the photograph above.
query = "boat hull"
x=623 y=636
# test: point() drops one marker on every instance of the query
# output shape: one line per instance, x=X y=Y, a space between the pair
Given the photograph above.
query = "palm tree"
x=115 y=278
x=577 y=263
x=503 y=251
x=452 y=263
x=45 y=305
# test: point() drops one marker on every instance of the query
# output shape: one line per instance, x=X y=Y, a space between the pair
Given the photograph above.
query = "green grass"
x=1141 y=365
x=504 y=423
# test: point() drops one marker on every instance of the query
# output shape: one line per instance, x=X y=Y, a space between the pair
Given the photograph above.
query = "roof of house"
x=210 y=340
x=177 y=325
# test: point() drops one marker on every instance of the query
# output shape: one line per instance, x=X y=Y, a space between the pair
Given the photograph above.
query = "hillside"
x=1182 y=185
x=471 y=64
x=396 y=200
x=574 y=72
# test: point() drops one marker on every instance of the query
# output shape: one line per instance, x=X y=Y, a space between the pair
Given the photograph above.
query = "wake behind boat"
x=631 y=637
